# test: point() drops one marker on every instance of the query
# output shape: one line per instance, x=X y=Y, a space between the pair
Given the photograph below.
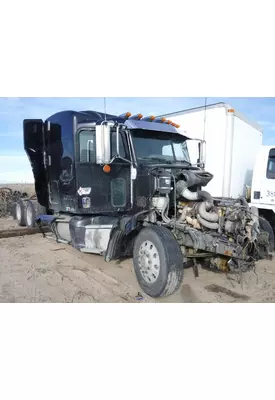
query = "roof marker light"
x=160 y=119
x=137 y=116
x=125 y=115
x=150 y=118
x=168 y=122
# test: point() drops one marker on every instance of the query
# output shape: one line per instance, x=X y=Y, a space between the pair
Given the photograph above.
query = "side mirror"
x=197 y=150
x=201 y=152
x=103 y=142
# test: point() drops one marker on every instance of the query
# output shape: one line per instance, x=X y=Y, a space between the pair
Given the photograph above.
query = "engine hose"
x=205 y=196
x=187 y=194
x=199 y=195
x=203 y=212
x=165 y=217
x=243 y=201
x=207 y=224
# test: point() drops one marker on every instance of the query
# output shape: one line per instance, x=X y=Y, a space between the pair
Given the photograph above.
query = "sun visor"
x=152 y=126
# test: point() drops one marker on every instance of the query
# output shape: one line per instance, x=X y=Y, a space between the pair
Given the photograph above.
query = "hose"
x=207 y=224
x=243 y=201
x=203 y=212
x=163 y=215
x=187 y=194
x=205 y=196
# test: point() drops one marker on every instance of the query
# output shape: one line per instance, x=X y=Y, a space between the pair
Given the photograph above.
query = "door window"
x=87 y=146
x=122 y=151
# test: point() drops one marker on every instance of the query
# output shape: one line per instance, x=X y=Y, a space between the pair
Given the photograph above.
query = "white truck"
x=233 y=151
x=263 y=184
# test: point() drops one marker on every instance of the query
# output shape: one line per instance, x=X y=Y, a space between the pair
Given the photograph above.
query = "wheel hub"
x=149 y=261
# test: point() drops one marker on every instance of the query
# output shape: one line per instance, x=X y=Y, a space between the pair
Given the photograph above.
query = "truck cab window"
x=153 y=146
x=87 y=146
x=122 y=151
x=270 y=172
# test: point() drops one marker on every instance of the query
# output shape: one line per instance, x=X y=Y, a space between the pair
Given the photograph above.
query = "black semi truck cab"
x=124 y=186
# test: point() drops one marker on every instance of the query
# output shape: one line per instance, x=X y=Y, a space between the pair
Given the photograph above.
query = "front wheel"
x=158 y=261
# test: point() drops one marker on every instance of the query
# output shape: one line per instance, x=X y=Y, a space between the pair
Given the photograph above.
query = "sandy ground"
x=35 y=269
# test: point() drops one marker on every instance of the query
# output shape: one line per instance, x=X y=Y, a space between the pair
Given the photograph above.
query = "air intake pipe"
x=199 y=178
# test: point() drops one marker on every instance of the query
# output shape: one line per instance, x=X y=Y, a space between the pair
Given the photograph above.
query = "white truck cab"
x=263 y=181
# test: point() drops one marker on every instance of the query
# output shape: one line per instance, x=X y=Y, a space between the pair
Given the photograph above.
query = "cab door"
x=102 y=190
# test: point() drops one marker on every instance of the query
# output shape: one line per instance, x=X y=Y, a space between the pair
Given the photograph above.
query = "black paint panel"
x=92 y=175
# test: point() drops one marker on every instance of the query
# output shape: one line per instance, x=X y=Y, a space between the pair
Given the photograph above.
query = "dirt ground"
x=37 y=269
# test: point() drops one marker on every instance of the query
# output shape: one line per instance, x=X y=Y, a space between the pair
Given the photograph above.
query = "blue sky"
x=14 y=165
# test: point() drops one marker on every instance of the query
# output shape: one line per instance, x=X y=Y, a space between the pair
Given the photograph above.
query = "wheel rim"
x=149 y=261
x=29 y=216
x=18 y=212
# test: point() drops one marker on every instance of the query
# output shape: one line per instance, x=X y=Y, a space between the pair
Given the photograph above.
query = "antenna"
x=204 y=123
x=105 y=108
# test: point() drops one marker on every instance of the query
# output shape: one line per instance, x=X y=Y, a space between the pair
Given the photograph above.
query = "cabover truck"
x=123 y=186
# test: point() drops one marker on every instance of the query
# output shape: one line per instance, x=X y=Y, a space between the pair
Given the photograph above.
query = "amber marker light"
x=106 y=168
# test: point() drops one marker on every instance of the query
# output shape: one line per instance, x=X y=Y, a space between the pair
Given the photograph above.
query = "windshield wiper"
x=184 y=161
x=164 y=160
x=156 y=159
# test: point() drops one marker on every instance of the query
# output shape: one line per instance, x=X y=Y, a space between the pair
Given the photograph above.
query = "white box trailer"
x=231 y=143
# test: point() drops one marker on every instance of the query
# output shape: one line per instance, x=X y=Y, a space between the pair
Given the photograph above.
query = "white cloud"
x=15 y=169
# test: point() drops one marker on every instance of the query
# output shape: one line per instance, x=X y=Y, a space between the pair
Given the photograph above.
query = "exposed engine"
x=222 y=232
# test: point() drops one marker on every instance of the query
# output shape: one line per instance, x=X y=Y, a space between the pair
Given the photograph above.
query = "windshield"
x=151 y=146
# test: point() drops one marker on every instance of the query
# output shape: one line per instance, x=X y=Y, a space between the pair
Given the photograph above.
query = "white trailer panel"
x=247 y=142
x=232 y=144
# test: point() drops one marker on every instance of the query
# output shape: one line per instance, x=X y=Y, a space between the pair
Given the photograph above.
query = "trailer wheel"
x=158 y=261
x=21 y=212
x=265 y=226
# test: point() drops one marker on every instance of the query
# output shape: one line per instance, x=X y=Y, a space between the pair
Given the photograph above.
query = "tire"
x=33 y=209
x=164 y=248
x=30 y=214
x=265 y=226
x=21 y=212
x=13 y=210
